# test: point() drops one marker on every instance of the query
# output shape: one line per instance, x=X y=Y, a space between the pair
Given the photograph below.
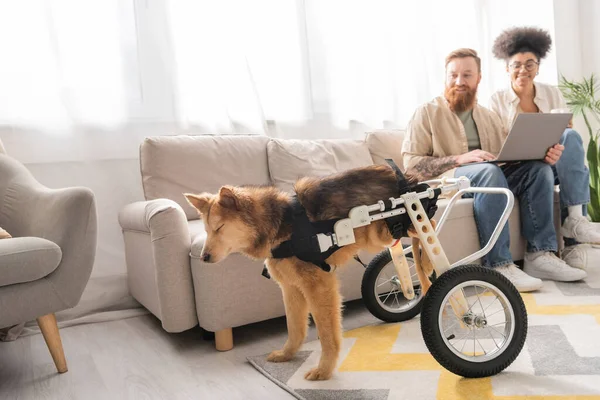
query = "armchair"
x=47 y=263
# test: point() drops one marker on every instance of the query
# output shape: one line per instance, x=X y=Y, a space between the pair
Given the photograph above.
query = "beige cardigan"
x=435 y=130
x=505 y=102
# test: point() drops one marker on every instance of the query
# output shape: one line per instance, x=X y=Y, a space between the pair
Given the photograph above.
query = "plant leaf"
x=581 y=99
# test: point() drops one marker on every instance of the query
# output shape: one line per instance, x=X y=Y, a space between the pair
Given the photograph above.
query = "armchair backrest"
x=13 y=176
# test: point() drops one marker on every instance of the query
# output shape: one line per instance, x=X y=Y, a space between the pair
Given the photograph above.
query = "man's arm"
x=430 y=167
x=418 y=147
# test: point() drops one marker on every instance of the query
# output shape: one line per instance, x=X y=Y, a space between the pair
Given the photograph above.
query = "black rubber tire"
x=432 y=334
x=369 y=281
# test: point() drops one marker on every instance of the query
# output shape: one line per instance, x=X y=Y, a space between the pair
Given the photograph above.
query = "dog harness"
x=304 y=243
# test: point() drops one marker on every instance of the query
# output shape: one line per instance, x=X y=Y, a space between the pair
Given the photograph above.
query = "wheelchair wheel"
x=489 y=336
x=381 y=291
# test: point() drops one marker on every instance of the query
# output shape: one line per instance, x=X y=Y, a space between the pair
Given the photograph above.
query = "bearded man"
x=447 y=135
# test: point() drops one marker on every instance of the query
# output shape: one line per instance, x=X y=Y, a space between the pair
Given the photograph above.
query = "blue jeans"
x=533 y=185
x=572 y=175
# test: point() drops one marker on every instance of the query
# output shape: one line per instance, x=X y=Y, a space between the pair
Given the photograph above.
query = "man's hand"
x=474 y=156
x=553 y=154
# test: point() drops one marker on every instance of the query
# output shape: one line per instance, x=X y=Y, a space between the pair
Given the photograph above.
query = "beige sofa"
x=164 y=237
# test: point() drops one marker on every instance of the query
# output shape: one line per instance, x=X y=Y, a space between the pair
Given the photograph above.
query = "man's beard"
x=460 y=101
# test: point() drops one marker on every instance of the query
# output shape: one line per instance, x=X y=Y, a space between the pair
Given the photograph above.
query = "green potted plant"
x=581 y=99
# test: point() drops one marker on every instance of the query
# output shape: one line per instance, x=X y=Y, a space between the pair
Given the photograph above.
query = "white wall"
x=578 y=43
x=589 y=13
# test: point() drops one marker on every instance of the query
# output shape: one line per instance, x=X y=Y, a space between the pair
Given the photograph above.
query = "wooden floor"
x=135 y=359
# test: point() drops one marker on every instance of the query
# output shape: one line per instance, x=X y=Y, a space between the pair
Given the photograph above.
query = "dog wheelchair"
x=473 y=320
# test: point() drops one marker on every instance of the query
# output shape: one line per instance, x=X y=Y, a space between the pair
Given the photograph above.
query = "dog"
x=251 y=220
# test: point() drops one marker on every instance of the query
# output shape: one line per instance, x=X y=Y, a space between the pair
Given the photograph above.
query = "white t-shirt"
x=505 y=102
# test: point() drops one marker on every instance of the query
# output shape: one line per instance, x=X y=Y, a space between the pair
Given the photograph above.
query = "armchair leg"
x=49 y=328
x=224 y=339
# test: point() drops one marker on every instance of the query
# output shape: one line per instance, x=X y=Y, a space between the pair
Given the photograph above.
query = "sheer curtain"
x=234 y=65
x=62 y=63
x=334 y=62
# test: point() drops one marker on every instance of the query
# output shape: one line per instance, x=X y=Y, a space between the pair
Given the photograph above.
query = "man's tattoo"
x=430 y=167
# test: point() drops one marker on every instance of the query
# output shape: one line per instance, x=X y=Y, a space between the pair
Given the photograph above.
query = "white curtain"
x=62 y=63
x=82 y=82
x=332 y=62
x=234 y=65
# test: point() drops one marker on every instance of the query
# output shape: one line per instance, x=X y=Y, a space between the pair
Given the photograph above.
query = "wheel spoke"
x=494 y=329
x=462 y=348
x=496 y=312
x=484 y=352
x=387 y=297
x=448 y=327
x=464 y=337
x=492 y=336
x=384 y=282
x=395 y=300
x=479 y=300
x=488 y=306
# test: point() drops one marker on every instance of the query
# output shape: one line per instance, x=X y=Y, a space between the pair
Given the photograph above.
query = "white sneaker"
x=580 y=229
x=576 y=256
x=548 y=266
x=522 y=281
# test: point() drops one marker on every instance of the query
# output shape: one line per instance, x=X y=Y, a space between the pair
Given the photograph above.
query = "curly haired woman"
x=522 y=49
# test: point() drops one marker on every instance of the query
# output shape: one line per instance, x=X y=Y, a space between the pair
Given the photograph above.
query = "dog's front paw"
x=318 y=374
x=279 y=356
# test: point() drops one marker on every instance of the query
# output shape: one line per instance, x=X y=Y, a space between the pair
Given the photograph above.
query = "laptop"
x=531 y=136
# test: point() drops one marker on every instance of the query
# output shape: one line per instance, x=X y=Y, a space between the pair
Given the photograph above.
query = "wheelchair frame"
x=411 y=203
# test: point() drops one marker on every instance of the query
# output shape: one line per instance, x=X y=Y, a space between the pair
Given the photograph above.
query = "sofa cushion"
x=385 y=144
x=173 y=165
x=292 y=159
x=27 y=259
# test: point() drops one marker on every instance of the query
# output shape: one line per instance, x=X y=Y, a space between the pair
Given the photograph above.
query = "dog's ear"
x=228 y=198
x=199 y=201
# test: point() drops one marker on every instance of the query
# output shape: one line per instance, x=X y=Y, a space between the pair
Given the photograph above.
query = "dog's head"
x=226 y=220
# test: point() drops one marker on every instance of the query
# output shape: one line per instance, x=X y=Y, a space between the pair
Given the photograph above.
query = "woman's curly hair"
x=521 y=40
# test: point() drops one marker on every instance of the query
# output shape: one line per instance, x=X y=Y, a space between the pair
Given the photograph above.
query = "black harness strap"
x=399 y=224
x=304 y=243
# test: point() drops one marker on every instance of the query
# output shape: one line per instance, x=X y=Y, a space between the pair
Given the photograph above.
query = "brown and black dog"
x=250 y=220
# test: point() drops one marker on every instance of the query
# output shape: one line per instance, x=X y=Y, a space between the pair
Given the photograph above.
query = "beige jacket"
x=505 y=102
x=435 y=130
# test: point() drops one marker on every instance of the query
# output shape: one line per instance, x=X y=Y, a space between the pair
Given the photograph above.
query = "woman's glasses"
x=529 y=65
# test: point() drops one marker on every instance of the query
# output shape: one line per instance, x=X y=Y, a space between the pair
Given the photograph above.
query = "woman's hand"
x=554 y=153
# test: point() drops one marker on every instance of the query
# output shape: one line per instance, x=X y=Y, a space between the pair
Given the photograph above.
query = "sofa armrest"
x=139 y=215
x=166 y=224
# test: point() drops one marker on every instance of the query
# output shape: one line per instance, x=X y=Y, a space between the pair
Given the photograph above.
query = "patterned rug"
x=560 y=359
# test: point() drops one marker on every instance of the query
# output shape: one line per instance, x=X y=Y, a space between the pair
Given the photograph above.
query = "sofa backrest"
x=173 y=165
x=385 y=144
